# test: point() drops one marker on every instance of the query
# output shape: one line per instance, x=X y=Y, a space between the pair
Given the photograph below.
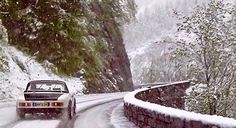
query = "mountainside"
x=174 y=40
x=17 y=69
x=155 y=21
x=80 y=38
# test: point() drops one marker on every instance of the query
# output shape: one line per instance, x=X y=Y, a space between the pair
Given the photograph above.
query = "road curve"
x=97 y=117
x=93 y=111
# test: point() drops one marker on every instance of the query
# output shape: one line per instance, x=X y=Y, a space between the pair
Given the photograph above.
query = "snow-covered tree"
x=206 y=48
x=80 y=38
x=154 y=19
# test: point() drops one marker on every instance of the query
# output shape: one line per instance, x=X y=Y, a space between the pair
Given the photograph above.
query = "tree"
x=80 y=38
x=206 y=46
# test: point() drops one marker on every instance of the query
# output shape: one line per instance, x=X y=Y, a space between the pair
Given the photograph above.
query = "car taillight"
x=24 y=104
x=57 y=104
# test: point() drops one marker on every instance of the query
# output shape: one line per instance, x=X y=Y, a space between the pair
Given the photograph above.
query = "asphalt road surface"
x=92 y=111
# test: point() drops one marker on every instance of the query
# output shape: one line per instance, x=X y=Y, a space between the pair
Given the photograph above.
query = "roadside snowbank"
x=118 y=118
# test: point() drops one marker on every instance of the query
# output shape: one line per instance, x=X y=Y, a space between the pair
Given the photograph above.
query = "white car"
x=48 y=97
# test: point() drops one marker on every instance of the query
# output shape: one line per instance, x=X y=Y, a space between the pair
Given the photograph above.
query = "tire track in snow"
x=97 y=116
x=34 y=121
x=89 y=105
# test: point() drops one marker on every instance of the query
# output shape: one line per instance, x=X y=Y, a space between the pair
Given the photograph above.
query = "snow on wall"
x=177 y=113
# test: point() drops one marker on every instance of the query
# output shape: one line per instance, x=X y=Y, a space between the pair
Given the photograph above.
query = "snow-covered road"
x=93 y=111
x=99 y=120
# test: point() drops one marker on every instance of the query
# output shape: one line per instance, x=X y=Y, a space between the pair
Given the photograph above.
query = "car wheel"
x=20 y=114
x=74 y=107
x=68 y=113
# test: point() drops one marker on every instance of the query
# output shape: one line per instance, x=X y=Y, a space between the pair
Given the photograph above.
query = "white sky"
x=141 y=3
x=144 y=3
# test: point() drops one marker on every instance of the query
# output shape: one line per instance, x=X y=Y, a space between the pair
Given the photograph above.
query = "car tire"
x=74 y=107
x=20 y=114
x=68 y=114
x=70 y=111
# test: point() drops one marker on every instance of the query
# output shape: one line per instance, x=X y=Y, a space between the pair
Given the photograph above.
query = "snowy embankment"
x=119 y=120
x=177 y=113
x=17 y=69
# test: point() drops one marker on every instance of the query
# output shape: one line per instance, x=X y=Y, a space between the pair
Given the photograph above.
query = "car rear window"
x=47 y=87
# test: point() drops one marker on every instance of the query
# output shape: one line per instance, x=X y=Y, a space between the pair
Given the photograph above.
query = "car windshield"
x=47 y=87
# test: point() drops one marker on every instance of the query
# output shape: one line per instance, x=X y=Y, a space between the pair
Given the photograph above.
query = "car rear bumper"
x=41 y=110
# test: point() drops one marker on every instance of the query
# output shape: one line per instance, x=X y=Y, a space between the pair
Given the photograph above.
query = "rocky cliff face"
x=81 y=38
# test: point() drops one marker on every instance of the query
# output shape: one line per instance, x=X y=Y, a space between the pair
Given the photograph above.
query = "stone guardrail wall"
x=163 y=107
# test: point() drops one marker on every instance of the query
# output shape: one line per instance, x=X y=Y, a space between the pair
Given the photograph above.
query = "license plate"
x=40 y=104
